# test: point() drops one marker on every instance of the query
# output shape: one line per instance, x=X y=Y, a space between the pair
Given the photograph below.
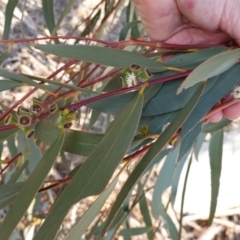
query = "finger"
x=203 y=13
x=160 y=18
x=232 y=112
x=213 y=15
x=231 y=19
x=216 y=117
x=198 y=36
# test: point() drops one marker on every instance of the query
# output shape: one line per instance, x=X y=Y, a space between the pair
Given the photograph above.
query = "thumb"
x=213 y=15
x=230 y=21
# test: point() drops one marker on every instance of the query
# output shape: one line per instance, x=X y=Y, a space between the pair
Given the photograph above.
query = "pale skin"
x=193 y=22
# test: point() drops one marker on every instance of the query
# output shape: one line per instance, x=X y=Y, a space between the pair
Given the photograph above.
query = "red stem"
x=5 y=114
x=75 y=106
x=10 y=162
x=59 y=182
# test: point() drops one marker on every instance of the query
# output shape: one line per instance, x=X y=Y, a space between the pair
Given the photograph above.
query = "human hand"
x=193 y=22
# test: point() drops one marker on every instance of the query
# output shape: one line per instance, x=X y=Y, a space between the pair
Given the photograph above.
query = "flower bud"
x=236 y=92
x=144 y=75
x=10 y=120
x=22 y=111
x=24 y=120
x=36 y=109
x=36 y=101
x=29 y=133
x=65 y=112
x=67 y=125
x=135 y=68
x=52 y=108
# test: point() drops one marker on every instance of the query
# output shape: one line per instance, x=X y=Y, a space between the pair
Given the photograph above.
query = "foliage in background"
x=159 y=110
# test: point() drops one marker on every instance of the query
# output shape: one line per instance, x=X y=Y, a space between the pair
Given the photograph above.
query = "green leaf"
x=11 y=143
x=125 y=30
x=16 y=174
x=29 y=189
x=199 y=143
x=102 y=55
x=215 y=153
x=92 y=177
x=113 y=104
x=164 y=180
x=150 y=92
x=48 y=13
x=94 y=117
x=4 y=55
x=157 y=159
x=7 y=134
x=166 y=100
x=68 y=6
x=8 y=193
x=134 y=231
x=177 y=175
x=29 y=149
x=76 y=142
x=80 y=227
x=8 y=17
x=188 y=141
x=155 y=123
x=192 y=60
x=225 y=83
x=21 y=79
x=153 y=153
x=7 y=84
x=63 y=85
x=212 y=127
x=210 y=68
x=146 y=215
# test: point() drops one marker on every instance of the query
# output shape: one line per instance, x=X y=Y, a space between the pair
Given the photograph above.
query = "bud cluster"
x=134 y=74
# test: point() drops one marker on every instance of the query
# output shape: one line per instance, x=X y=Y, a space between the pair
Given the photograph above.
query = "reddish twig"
x=10 y=162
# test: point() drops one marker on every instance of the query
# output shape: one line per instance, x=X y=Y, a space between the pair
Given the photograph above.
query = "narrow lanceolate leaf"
x=92 y=177
x=125 y=30
x=102 y=55
x=210 y=68
x=5 y=134
x=134 y=231
x=192 y=60
x=14 y=177
x=212 y=127
x=215 y=153
x=76 y=142
x=146 y=215
x=7 y=84
x=198 y=144
x=48 y=13
x=63 y=85
x=224 y=84
x=68 y=6
x=8 y=17
x=8 y=192
x=29 y=189
x=164 y=180
x=78 y=230
x=153 y=153
x=21 y=79
x=30 y=150
x=189 y=140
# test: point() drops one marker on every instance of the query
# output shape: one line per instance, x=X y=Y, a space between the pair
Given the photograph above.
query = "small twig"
x=183 y=198
x=10 y=162
x=221 y=107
